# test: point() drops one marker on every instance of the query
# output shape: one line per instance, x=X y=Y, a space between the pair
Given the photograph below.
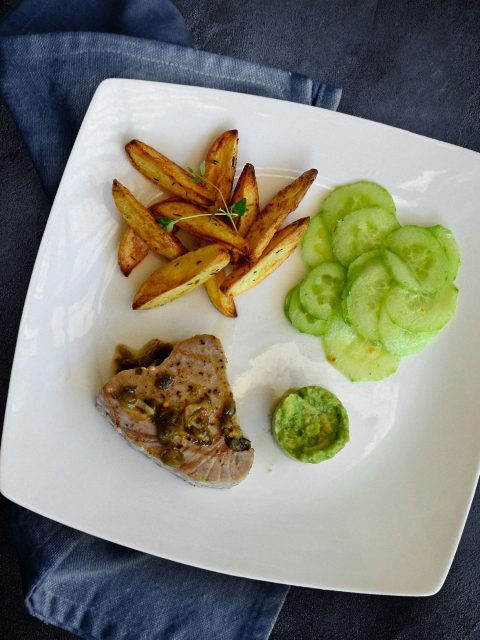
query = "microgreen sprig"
x=236 y=210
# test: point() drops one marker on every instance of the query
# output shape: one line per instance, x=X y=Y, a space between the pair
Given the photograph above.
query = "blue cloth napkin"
x=53 y=55
x=48 y=79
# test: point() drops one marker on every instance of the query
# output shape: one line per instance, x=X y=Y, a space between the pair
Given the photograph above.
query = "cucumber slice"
x=417 y=311
x=286 y=304
x=316 y=246
x=396 y=267
x=358 y=264
x=350 y=197
x=365 y=298
x=422 y=253
x=355 y=357
x=399 y=341
x=361 y=231
x=446 y=238
x=399 y=270
x=320 y=290
x=301 y=319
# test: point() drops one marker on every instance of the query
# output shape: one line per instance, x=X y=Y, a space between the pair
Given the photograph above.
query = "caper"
x=165 y=416
x=197 y=420
x=173 y=457
x=145 y=407
x=165 y=437
x=229 y=409
x=201 y=436
x=238 y=444
x=231 y=431
x=127 y=398
x=163 y=382
x=169 y=424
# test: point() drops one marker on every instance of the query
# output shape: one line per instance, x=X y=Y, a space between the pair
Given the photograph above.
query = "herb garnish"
x=236 y=210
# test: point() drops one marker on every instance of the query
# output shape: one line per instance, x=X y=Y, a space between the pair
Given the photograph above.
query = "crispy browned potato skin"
x=220 y=165
x=220 y=300
x=283 y=243
x=180 y=276
x=168 y=175
x=200 y=225
x=271 y=218
x=247 y=188
x=140 y=220
x=131 y=251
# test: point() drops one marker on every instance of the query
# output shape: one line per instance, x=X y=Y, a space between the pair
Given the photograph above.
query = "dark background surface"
x=414 y=65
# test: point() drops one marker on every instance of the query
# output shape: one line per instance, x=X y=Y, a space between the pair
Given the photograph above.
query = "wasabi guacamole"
x=310 y=424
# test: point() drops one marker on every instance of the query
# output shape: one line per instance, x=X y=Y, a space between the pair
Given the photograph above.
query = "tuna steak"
x=180 y=411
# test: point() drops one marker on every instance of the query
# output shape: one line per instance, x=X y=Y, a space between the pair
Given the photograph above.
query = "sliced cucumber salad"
x=375 y=290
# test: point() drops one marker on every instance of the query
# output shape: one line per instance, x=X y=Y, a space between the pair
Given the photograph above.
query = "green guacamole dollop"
x=310 y=424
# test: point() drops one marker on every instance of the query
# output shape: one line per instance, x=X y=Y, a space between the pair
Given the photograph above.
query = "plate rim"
x=4 y=482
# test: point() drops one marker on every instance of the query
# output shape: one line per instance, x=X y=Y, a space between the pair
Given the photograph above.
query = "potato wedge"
x=220 y=300
x=220 y=165
x=131 y=251
x=247 y=188
x=166 y=174
x=139 y=218
x=283 y=243
x=273 y=215
x=180 y=276
x=198 y=224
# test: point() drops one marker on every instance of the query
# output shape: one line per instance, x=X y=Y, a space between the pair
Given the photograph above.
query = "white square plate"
x=386 y=514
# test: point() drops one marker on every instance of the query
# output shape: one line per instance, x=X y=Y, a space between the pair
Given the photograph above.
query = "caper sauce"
x=173 y=426
x=151 y=354
x=234 y=438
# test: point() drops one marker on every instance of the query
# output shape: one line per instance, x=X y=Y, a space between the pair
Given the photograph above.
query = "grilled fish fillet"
x=181 y=413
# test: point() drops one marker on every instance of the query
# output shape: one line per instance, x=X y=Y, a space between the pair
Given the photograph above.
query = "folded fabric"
x=153 y=19
x=48 y=80
x=97 y=589
x=75 y=581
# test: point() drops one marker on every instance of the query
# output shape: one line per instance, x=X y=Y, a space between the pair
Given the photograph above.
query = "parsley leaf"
x=240 y=207
x=166 y=224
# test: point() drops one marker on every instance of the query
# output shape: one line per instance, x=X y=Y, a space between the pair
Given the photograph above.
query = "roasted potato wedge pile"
x=239 y=244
